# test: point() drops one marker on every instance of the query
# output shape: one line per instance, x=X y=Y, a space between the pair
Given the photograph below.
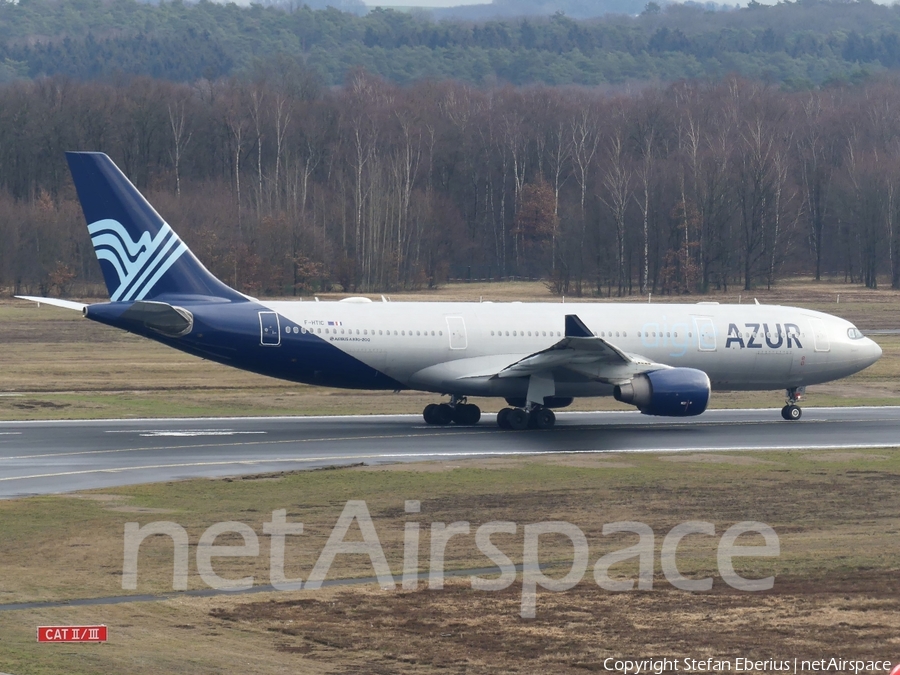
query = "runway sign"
x=71 y=634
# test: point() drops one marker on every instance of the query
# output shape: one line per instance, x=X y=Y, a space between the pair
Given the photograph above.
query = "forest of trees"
x=283 y=186
x=576 y=9
x=801 y=45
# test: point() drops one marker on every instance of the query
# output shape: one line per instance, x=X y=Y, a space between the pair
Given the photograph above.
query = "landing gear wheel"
x=428 y=413
x=543 y=418
x=443 y=414
x=467 y=414
x=503 y=418
x=517 y=419
x=791 y=412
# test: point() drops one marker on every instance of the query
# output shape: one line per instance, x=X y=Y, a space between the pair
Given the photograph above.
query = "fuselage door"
x=269 y=329
x=456 y=328
x=820 y=335
x=706 y=333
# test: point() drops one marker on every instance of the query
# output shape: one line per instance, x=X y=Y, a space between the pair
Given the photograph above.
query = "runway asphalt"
x=63 y=456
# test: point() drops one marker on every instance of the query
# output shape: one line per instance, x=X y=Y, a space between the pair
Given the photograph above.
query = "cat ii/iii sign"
x=71 y=634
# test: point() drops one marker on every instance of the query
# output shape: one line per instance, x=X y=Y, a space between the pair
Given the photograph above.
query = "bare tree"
x=617 y=181
x=585 y=139
x=181 y=136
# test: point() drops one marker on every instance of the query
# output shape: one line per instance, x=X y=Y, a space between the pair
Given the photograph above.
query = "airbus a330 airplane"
x=663 y=359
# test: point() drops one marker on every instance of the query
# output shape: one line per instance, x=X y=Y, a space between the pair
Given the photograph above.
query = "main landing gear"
x=457 y=410
x=791 y=411
x=517 y=419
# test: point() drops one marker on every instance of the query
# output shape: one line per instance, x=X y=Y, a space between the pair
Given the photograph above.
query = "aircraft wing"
x=581 y=352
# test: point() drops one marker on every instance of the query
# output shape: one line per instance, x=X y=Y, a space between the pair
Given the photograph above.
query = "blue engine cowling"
x=674 y=392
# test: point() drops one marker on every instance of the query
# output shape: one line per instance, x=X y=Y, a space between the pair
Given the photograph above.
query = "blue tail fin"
x=141 y=256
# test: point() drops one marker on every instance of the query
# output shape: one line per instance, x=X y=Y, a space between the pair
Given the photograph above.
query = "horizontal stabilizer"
x=161 y=317
x=56 y=302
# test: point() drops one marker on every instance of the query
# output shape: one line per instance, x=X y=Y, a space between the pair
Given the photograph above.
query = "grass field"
x=837 y=578
x=54 y=364
x=836 y=592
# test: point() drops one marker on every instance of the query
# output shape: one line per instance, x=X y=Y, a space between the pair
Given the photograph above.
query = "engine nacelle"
x=674 y=392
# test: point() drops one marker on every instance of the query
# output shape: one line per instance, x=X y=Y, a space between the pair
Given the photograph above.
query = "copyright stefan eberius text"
x=659 y=666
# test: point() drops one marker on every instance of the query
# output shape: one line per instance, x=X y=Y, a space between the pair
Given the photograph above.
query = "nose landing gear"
x=457 y=410
x=791 y=411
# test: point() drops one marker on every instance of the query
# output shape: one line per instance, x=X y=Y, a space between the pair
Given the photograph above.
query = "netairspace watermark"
x=532 y=577
x=740 y=664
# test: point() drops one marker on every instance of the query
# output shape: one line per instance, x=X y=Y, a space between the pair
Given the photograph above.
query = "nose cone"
x=871 y=352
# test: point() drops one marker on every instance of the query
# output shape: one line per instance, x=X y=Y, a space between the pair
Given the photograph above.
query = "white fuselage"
x=456 y=348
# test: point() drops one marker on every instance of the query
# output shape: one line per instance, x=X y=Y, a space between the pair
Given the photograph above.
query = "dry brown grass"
x=366 y=630
x=836 y=589
x=460 y=631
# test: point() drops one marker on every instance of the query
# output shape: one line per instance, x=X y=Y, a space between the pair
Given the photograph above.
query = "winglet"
x=575 y=327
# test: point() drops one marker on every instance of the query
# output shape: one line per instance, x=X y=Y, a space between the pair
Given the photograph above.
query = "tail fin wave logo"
x=138 y=264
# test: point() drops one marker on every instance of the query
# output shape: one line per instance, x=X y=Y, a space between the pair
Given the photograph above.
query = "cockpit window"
x=854 y=333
